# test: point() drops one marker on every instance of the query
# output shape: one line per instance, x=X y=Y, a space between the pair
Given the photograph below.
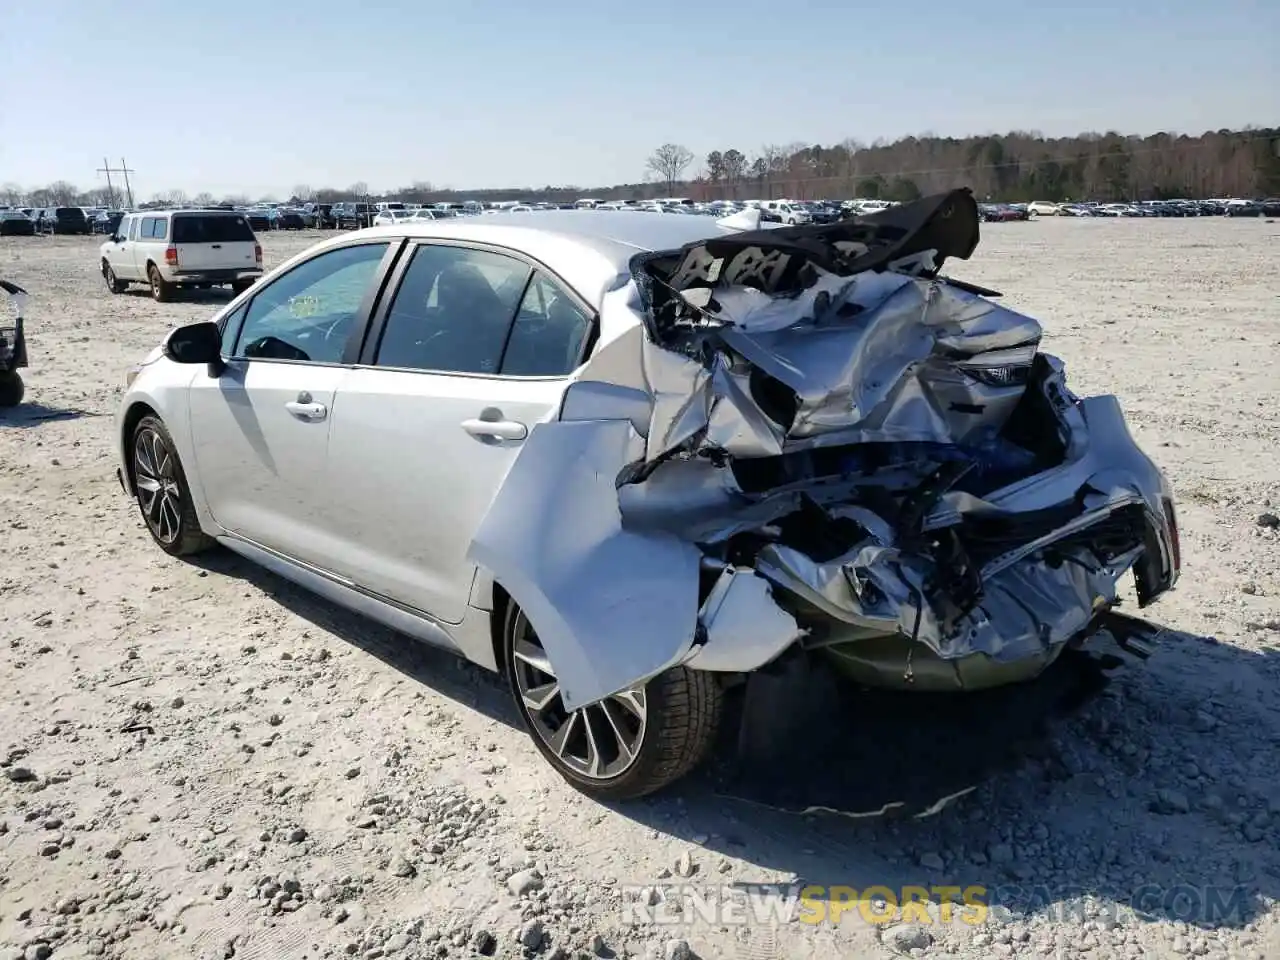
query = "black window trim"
x=351 y=351
x=378 y=322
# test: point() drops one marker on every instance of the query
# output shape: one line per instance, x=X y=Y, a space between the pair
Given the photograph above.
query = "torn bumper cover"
x=810 y=436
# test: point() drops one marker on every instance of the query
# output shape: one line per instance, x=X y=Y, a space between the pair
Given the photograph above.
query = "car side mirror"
x=197 y=343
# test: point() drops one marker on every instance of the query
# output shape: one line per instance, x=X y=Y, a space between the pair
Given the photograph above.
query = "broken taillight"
x=1009 y=367
x=171 y=256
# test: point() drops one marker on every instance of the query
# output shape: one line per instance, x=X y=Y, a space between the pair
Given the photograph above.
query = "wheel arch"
x=497 y=624
x=128 y=423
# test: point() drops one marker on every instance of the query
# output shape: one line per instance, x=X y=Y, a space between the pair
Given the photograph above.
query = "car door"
x=261 y=428
x=119 y=252
x=140 y=245
x=460 y=364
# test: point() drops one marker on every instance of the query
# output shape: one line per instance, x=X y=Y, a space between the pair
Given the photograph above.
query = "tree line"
x=1017 y=166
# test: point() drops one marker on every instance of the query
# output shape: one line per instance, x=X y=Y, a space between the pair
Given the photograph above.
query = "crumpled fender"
x=613 y=608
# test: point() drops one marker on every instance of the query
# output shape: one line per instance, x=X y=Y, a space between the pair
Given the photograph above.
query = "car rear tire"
x=627 y=746
x=161 y=489
x=240 y=286
x=12 y=389
x=161 y=291
x=114 y=283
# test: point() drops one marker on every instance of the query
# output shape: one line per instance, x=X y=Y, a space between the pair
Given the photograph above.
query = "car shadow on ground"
x=844 y=795
x=37 y=414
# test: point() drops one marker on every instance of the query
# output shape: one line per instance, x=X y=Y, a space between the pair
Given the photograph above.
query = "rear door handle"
x=497 y=429
x=306 y=410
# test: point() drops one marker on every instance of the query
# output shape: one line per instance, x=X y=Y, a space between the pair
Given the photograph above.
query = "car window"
x=549 y=333
x=452 y=311
x=230 y=325
x=160 y=229
x=144 y=232
x=308 y=313
x=211 y=228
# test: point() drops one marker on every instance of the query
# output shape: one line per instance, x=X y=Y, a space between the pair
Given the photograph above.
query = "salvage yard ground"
x=202 y=761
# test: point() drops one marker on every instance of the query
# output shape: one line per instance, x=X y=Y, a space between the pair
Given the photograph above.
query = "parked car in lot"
x=15 y=223
x=172 y=249
x=70 y=220
x=451 y=428
x=1244 y=208
x=1042 y=208
x=322 y=215
x=353 y=216
x=387 y=218
x=288 y=218
x=1271 y=207
x=1002 y=212
x=262 y=218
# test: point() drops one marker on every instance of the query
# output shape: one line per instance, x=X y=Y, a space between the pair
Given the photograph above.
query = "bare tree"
x=358 y=190
x=61 y=193
x=12 y=194
x=304 y=192
x=669 y=162
x=204 y=199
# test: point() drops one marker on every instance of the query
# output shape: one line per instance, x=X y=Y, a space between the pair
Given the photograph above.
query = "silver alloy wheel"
x=598 y=742
x=156 y=480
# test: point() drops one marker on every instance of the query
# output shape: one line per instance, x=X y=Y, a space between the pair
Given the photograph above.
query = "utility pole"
x=122 y=169
x=111 y=191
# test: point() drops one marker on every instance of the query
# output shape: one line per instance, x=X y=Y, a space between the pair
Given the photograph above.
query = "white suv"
x=168 y=249
x=789 y=211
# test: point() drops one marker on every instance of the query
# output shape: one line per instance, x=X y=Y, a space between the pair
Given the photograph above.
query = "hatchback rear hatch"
x=214 y=241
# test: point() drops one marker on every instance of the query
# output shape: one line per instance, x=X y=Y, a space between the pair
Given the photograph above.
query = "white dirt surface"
x=201 y=761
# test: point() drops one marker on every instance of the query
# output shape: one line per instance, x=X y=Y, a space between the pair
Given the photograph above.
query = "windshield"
x=211 y=228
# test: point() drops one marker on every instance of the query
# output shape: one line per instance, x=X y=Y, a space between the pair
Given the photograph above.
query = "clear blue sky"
x=255 y=96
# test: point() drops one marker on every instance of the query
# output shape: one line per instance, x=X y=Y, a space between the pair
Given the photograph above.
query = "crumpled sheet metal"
x=1027 y=607
x=612 y=607
x=890 y=373
x=879 y=375
x=743 y=625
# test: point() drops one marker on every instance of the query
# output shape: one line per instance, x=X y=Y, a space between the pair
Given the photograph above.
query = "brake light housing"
x=257 y=253
x=171 y=255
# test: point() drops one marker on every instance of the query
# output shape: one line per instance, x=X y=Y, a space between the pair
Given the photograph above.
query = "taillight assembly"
x=257 y=252
x=171 y=256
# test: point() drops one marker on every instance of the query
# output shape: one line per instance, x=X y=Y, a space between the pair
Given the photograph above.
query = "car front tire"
x=625 y=747
x=114 y=283
x=161 y=489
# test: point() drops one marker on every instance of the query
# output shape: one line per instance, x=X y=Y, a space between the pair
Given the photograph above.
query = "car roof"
x=589 y=249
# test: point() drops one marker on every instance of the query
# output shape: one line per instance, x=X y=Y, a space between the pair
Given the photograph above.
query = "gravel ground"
x=201 y=761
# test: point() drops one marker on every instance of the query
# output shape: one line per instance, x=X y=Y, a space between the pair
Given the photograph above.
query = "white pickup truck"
x=170 y=249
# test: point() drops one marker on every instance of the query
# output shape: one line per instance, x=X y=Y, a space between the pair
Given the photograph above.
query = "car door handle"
x=497 y=429
x=307 y=411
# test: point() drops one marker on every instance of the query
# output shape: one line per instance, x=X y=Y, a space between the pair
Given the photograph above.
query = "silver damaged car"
x=629 y=460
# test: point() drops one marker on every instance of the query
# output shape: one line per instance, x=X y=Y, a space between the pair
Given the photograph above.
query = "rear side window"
x=148 y=225
x=211 y=229
x=453 y=311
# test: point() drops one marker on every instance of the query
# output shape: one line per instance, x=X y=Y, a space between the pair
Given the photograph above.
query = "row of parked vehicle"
x=1140 y=208
x=29 y=221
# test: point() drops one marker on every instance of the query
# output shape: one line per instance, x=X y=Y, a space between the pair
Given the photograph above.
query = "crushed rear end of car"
x=812 y=440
